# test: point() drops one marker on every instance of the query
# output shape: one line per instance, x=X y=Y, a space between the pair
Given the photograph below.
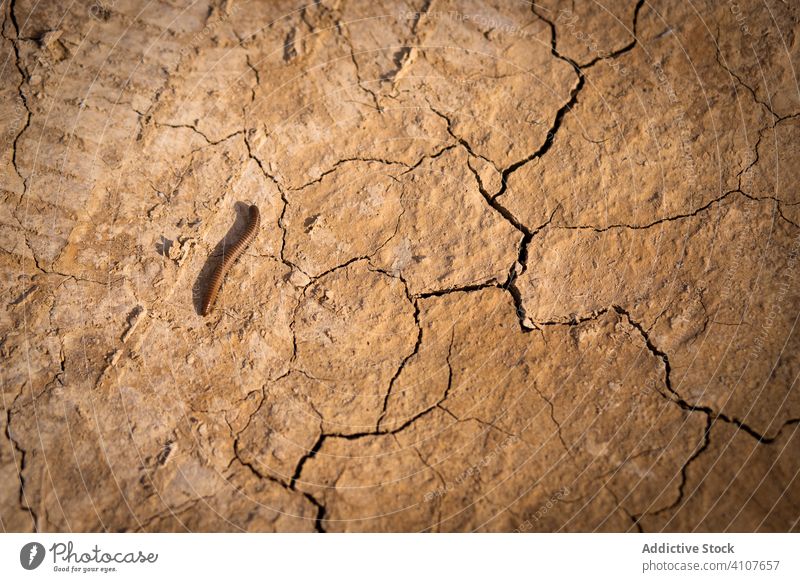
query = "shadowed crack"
x=23 y=498
x=318 y=526
x=557 y=121
x=672 y=395
x=341 y=29
x=678 y=399
x=18 y=62
x=207 y=139
x=527 y=232
x=655 y=222
x=24 y=503
x=434 y=526
x=779 y=202
x=282 y=193
x=720 y=58
x=460 y=140
x=400 y=368
x=573 y=97
x=552 y=408
x=682 y=485
x=613 y=54
x=341 y=161
x=67 y=276
x=460 y=289
x=677 y=217
x=520 y=265
x=314 y=450
x=517 y=269
x=633 y=518
x=258 y=82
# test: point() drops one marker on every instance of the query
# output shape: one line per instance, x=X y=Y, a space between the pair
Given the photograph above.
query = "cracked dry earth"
x=521 y=267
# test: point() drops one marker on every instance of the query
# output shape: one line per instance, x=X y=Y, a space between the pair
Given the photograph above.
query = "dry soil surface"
x=521 y=267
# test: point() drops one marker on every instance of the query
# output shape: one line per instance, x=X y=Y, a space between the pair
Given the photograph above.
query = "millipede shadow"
x=217 y=255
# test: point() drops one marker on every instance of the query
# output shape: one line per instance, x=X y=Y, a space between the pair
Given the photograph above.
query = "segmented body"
x=230 y=256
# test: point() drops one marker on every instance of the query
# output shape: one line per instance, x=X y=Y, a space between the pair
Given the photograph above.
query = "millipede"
x=229 y=258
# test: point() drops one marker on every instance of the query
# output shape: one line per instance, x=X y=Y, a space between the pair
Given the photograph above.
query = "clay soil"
x=520 y=267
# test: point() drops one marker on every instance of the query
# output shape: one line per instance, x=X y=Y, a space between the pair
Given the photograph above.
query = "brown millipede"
x=229 y=258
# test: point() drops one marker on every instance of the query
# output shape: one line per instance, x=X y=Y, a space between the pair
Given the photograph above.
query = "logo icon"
x=31 y=555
